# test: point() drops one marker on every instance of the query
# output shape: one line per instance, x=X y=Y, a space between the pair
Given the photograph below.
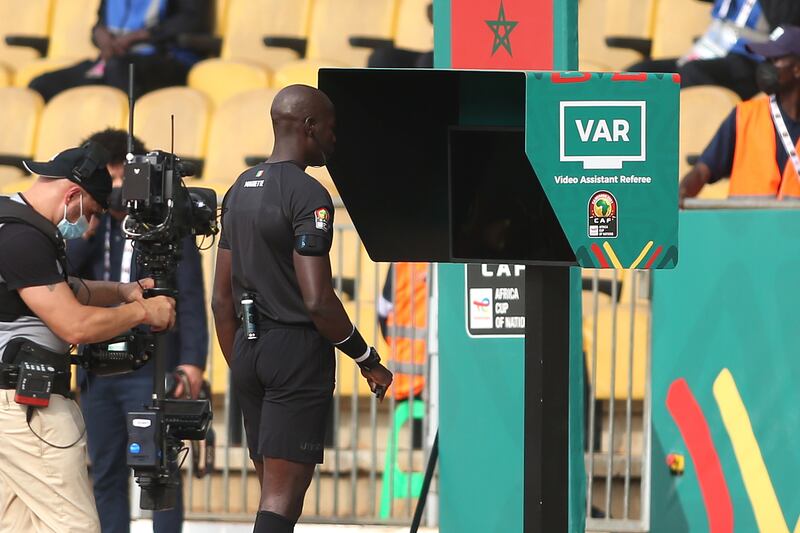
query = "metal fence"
x=616 y=334
x=375 y=453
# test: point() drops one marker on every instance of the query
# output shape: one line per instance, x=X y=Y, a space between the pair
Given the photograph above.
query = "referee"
x=277 y=232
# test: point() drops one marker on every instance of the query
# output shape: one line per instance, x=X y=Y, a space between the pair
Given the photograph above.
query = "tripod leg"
x=426 y=484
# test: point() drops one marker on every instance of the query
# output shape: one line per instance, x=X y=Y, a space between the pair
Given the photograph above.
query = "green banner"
x=605 y=149
x=725 y=376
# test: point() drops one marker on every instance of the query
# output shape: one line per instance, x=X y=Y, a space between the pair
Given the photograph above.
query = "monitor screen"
x=498 y=210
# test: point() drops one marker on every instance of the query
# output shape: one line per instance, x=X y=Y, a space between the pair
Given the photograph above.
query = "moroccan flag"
x=502 y=34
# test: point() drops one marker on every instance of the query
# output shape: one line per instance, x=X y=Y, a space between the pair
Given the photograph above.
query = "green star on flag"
x=502 y=29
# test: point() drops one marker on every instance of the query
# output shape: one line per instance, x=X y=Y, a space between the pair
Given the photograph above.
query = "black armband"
x=354 y=346
x=311 y=245
x=372 y=360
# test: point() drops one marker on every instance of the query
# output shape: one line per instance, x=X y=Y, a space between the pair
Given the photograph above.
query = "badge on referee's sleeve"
x=322 y=218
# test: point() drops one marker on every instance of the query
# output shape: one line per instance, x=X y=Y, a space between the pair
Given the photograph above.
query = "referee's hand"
x=379 y=379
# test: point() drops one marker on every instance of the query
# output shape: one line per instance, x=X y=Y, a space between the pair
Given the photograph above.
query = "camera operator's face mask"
x=73 y=230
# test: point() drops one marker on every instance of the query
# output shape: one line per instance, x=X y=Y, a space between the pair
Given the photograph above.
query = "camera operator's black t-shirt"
x=28 y=259
x=268 y=206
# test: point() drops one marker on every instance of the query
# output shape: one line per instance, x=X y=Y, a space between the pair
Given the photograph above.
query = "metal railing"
x=617 y=411
x=356 y=483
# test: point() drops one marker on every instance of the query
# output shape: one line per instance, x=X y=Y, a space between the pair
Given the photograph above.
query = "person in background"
x=720 y=56
x=757 y=144
x=142 y=32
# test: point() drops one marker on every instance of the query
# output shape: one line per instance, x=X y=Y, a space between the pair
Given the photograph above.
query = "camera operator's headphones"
x=96 y=156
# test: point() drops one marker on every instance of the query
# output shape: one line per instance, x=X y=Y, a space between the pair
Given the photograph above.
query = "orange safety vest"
x=407 y=328
x=755 y=171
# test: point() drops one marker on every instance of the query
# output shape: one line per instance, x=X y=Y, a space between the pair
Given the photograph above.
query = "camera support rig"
x=161 y=212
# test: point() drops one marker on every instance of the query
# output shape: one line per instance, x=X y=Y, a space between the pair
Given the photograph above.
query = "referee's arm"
x=314 y=277
x=225 y=321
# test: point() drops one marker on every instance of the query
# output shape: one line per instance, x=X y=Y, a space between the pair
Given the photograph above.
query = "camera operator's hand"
x=379 y=378
x=160 y=312
x=130 y=292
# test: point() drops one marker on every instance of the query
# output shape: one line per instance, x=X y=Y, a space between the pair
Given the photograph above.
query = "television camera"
x=161 y=212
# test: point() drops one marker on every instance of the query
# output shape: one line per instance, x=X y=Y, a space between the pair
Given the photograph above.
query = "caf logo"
x=602 y=216
x=322 y=219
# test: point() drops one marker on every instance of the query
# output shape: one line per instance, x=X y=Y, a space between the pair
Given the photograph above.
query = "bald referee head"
x=303 y=119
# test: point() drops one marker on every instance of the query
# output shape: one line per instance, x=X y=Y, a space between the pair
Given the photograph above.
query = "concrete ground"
x=146 y=526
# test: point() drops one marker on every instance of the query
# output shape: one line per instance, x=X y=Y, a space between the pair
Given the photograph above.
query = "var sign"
x=603 y=134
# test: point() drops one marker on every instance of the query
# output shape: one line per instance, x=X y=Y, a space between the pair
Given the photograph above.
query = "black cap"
x=84 y=166
x=784 y=41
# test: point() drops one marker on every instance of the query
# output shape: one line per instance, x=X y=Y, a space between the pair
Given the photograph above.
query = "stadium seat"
x=678 y=24
x=333 y=22
x=31 y=18
x=598 y=19
x=240 y=128
x=70 y=39
x=12 y=186
x=703 y=109
x=19 y=113
x=74 y=114
x=219 y=79
x=627 y=302
x=192 y=111
x=413 y=30
x=5 y=76
x=641 y=325
x=629 y=20
x=221 y=8
x=249 y=22
x=304 y=72
x=36 y=68
x=587 y=65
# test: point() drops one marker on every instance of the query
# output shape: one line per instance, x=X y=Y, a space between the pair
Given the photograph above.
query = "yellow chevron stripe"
x=642 y=255
x=757 y=482
x=611 y=255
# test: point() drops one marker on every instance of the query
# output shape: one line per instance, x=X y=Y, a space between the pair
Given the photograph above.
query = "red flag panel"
x=502 y=34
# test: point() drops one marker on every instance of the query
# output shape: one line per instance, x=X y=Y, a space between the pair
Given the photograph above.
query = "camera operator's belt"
x=23 y=350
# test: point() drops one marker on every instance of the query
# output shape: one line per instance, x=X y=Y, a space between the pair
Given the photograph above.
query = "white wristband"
x=363 y=357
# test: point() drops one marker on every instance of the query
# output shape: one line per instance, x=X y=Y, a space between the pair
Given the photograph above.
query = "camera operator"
x=105 y=401
x=273 y=265
x=44 y=484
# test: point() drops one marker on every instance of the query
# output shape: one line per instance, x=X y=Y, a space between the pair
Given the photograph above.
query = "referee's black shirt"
x=264 y=210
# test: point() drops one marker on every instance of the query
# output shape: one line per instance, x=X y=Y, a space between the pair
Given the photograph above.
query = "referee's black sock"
x=268 y=522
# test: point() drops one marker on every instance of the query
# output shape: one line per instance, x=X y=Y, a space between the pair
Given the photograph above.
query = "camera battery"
x=34 y=384
x=144 y=449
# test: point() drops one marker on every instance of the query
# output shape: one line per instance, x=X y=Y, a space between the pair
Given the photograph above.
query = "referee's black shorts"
x=284 y=383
